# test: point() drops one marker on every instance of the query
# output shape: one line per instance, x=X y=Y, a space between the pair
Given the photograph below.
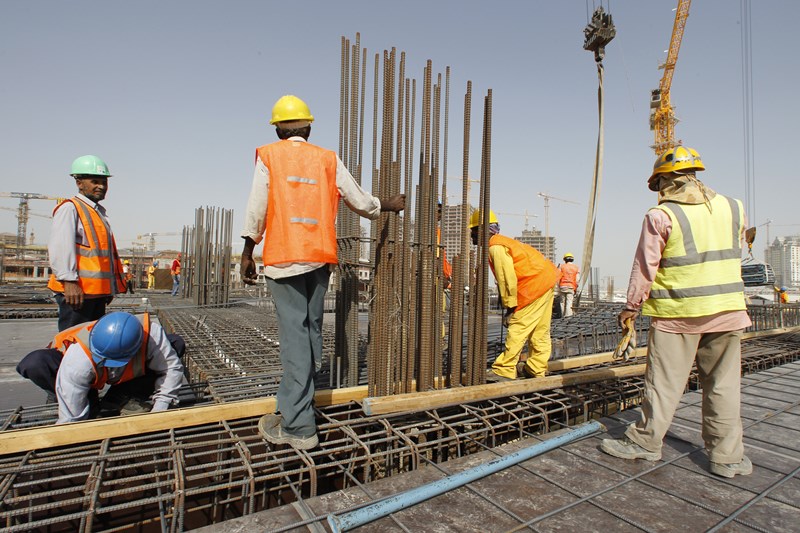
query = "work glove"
x=627 y=345
x=509 y=312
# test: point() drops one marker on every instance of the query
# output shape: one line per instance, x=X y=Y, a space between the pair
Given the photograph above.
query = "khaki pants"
x=567 y=294
x=530 y=325
x=669 y=361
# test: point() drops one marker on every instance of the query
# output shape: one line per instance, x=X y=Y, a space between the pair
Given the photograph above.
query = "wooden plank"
x=21 y=440
x=442 y=398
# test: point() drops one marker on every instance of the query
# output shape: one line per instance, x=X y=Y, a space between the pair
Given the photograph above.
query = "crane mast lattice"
x=662 y=115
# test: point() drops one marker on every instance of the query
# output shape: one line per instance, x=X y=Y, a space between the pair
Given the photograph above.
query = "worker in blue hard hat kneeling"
x=137 y=358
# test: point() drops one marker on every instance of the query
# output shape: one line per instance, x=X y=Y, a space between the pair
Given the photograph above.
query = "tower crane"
x=22 y=213
x=152 y=243
x=662 y=115
x=547 y=198
x=525 y=214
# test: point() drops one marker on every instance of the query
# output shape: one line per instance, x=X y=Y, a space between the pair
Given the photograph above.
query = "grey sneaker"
x=625 y=448
x=742 y=468
x=270 y=428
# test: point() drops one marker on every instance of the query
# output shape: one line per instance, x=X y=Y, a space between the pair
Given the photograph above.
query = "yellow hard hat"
x=475 y=218
x=678 y=159
x=127 y=262
x=290 y=107
x=568 y=255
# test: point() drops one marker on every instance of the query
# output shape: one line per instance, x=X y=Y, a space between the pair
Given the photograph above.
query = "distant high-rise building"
x=452 y=228
x=534 y=237
x=784 y=257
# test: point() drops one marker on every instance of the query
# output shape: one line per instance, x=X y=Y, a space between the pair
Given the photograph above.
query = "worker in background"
x=783 y=296
x=175 y=270
x=687 y=277
x=85 y=265
x=292 y=206
x=525 y=280
x=127 y=273
x=140 y=362
x=151 y=275
x=569 y=274
x=447 y=268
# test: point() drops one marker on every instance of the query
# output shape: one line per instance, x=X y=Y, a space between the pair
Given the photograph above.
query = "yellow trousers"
x=151 y=281
x=530 y=325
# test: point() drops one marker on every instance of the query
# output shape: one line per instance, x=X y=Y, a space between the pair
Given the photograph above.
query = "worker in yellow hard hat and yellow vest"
x=687 y=277
x=525 y=279
x=292 y=206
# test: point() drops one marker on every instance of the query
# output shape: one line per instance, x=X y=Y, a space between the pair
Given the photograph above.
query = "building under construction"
x=412 y=438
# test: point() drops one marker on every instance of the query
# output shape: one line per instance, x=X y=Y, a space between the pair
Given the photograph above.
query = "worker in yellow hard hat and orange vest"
x=525 y=279
x=292 y=206
x=569 y=273
x=127 y=273
x=86 y=268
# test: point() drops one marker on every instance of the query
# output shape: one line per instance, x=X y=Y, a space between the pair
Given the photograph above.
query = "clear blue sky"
x=175 y=96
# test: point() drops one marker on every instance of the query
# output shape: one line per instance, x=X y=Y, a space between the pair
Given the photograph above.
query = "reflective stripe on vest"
x=302 y=203
x=99 y=266
x=79 y=334
x=700 y=269
x=535 y=273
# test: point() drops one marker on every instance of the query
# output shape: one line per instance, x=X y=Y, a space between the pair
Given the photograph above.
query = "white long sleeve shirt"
x=255 y=219
x=66 y=233
x=76 y=375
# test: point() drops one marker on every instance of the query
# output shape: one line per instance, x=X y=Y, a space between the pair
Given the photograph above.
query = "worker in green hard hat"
x=86 y=271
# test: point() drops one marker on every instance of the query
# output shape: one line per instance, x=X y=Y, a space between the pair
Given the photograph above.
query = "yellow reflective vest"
x=700 y=270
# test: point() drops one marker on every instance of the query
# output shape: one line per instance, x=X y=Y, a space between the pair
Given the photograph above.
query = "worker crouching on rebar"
x=525 y=279
x=140 y=362
x=686 y=275
x=292 y=206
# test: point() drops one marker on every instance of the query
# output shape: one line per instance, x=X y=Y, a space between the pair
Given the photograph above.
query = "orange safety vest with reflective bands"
x=99 y=266
x=302 y=204
x=569 y=275
x=79 y=334
x=535 y=273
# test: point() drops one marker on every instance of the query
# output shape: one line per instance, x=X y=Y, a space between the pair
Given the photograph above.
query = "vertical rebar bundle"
x=206 y=251
x=408 y=348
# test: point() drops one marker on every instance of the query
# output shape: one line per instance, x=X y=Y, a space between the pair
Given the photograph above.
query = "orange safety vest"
x=135 y=368
x=98 y=264
x=535 y=273
x=302 y=205
x=569 y=275
x=447 y=268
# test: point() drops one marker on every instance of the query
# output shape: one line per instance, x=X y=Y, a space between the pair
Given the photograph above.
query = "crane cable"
x=597 y=180
x=747 y=112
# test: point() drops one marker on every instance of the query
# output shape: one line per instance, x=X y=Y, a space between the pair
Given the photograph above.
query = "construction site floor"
x=579 y=488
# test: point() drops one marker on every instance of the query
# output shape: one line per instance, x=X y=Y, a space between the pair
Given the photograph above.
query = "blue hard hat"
x=115 y=339
x=783 y=289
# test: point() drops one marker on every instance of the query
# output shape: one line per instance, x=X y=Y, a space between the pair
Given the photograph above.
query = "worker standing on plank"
x=151 y=275
x=525 y=279
x=128 y=352
x=568 y=282
x=686 y=275
x=292 y=206
x=86 y=269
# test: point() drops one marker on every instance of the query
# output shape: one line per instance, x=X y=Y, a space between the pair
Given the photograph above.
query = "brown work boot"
x=526 y=373
x=491 y=377
x=271 y=429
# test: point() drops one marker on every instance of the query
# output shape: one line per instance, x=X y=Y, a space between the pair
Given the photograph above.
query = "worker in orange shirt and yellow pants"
x=525 y=279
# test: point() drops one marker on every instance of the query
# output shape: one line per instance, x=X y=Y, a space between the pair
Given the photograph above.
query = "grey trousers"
x=669 y=361
x=299 y=301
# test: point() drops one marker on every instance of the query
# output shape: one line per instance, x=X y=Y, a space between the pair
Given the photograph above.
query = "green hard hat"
x=89 y=165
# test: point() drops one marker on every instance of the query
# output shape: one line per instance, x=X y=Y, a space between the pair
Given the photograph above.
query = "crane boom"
x=23 y=213
x=662 y=115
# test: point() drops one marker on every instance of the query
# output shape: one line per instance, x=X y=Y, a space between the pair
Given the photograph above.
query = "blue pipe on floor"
x=395 y=503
